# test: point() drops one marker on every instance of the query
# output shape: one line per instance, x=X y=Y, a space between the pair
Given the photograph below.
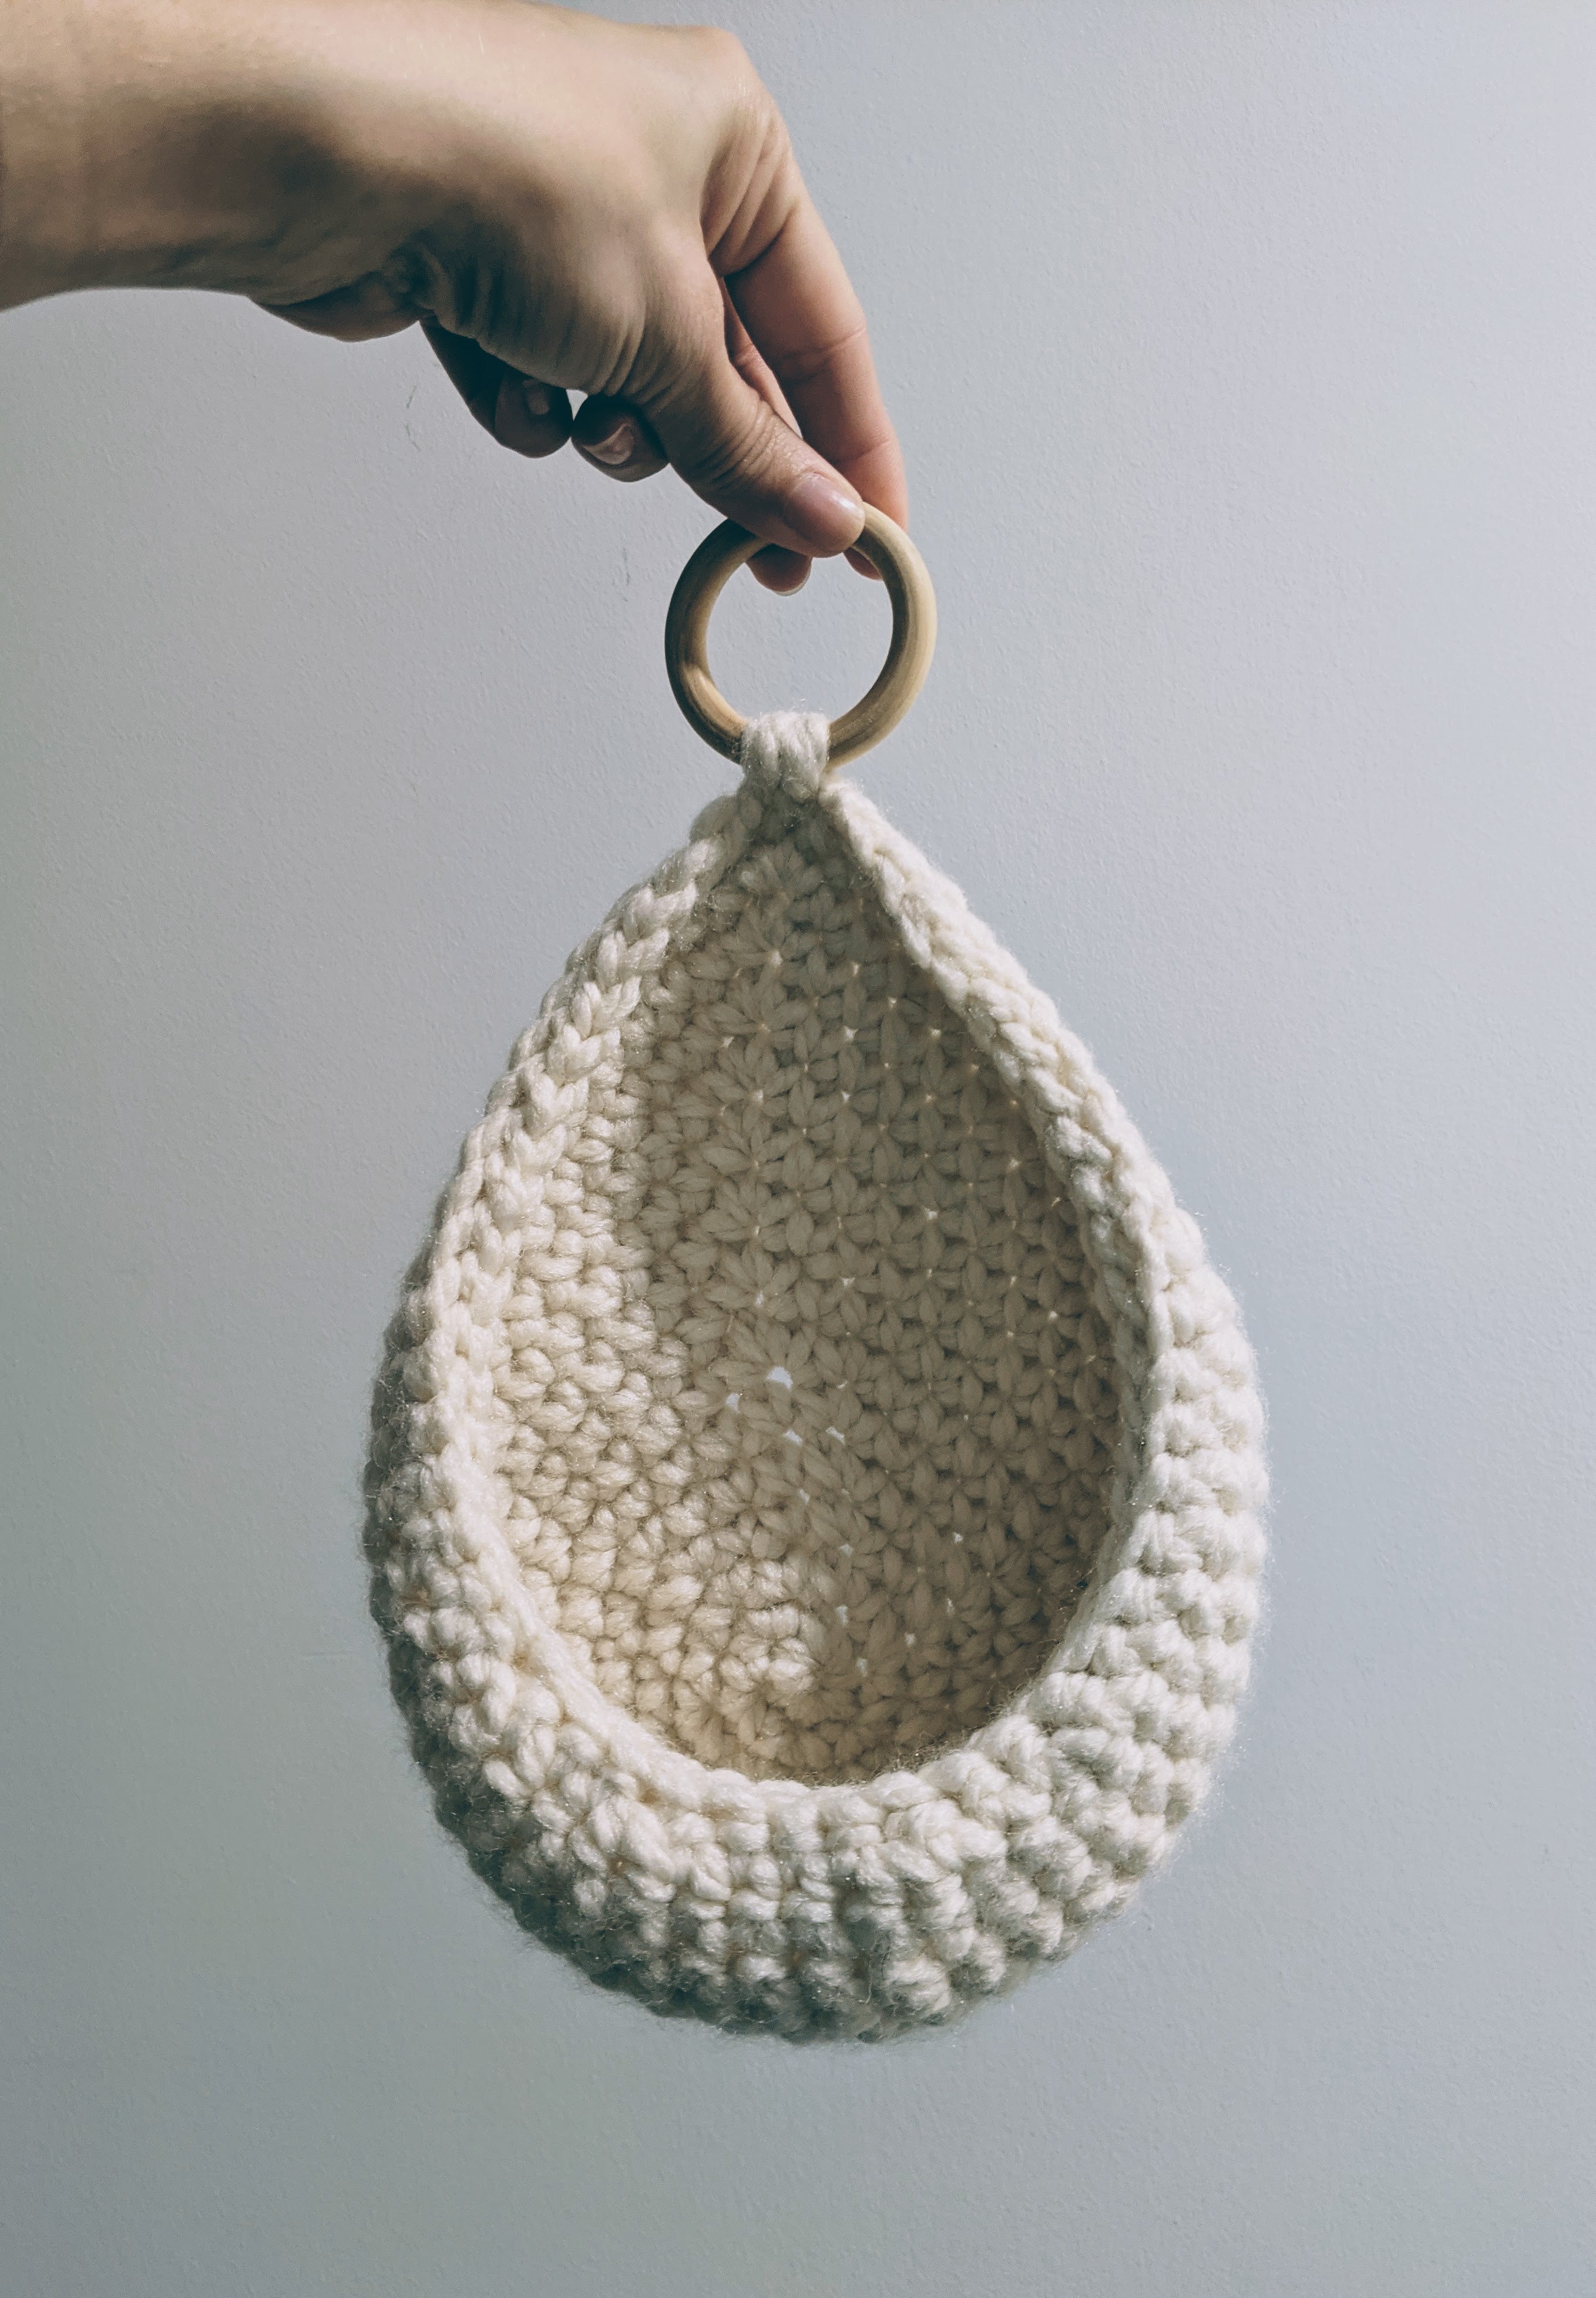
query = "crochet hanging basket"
x=814 y=1488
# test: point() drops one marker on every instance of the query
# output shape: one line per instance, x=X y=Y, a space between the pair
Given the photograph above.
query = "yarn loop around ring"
x=786 y=751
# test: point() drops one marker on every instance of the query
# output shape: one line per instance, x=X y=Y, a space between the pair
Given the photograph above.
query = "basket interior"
x=813 y=1413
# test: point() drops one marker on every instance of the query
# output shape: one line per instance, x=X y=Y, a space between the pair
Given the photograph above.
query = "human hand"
x=563 y=203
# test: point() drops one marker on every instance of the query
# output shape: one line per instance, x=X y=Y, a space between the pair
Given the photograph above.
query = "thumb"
x=734 y=451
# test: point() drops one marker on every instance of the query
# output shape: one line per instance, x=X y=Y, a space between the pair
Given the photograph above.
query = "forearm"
x=165 y=143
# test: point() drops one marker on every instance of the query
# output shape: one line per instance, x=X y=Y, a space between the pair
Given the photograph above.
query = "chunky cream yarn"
x=814 y=1482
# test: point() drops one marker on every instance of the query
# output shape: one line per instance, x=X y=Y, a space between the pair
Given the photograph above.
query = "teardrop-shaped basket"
x=814 y=1488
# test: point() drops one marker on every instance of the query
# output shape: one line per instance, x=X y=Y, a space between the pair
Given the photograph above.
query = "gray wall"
x=1246 y=359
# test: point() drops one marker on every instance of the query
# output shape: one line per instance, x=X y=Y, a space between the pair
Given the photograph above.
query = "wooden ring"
x=902 y=675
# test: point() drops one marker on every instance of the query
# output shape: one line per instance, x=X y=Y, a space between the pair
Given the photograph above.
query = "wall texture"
x=1245 y=359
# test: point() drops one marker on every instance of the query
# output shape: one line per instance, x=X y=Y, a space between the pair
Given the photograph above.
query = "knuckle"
x=799 y=368
x=717 y=49
x=745 y=458
x=747 y=107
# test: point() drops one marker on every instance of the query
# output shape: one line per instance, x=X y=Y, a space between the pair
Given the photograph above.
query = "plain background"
x=1246 y=361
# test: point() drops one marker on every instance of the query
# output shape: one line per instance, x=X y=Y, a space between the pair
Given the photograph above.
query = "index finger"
x=798 y=305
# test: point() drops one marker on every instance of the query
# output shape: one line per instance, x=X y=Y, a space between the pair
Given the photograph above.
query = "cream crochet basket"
x=813 y=1500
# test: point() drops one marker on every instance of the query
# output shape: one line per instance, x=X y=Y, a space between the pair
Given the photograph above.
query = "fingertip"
x=529 y=418
x=823 y=511
x=779 y=570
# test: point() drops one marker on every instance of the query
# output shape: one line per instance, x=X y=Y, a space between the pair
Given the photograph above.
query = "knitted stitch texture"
x=813 y=1500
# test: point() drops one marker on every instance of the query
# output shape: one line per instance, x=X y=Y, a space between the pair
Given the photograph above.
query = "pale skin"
x=563 y=204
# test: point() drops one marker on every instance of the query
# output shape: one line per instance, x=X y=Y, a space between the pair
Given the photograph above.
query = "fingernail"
x=537 y=399
x=825 y=513
x=616 y=446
